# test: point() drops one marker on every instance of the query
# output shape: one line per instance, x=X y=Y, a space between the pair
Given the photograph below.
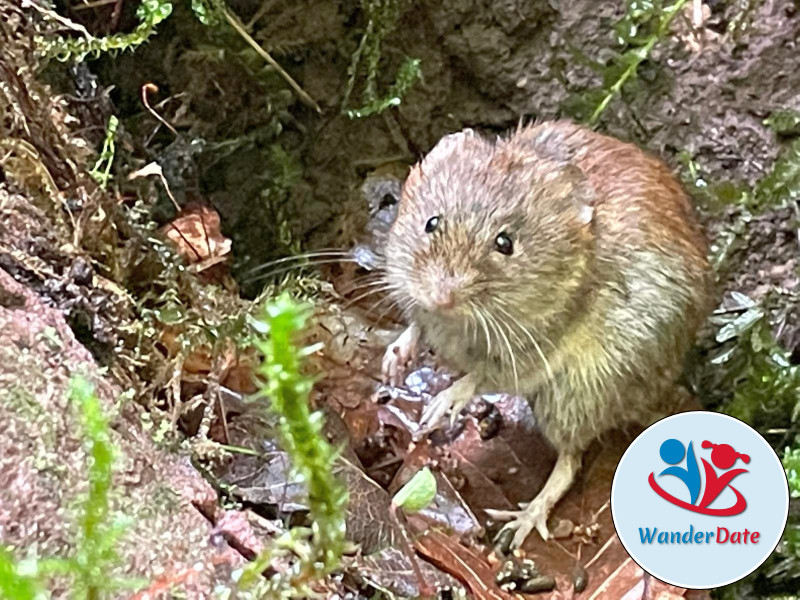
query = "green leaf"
x=417 y=493
x=15 y=585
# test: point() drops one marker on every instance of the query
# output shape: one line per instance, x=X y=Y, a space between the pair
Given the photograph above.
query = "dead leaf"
x=463 y=563
x=198 y=238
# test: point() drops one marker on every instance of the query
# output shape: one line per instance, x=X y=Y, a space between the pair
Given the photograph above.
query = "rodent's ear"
x=555 y=141
x=442 y=151
x=449 y=143
x=569 y=183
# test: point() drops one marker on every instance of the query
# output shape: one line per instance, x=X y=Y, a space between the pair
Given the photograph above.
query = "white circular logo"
x=699 y=500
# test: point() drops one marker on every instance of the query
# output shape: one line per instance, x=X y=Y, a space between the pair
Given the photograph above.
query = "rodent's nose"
x=443 y=297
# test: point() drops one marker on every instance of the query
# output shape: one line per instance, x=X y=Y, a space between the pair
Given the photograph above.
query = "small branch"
x=58 y=18
x=234 y=21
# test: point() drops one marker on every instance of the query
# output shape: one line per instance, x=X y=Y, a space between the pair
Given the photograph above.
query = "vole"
x=554 y=262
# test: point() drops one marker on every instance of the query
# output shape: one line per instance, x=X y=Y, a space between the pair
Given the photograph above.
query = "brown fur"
x=592 y=314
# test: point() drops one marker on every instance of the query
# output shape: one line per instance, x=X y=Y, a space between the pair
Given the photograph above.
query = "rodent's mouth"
x=450 y=313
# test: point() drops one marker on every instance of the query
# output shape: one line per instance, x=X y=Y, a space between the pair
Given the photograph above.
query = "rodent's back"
x=637 y=200
x=651 y=259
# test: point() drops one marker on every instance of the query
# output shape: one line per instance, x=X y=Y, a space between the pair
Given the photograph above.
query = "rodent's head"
x=492 y=226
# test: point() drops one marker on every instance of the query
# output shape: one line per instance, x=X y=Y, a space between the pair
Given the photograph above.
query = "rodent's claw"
x=456 y=397
x=533 y=516
x=437 y=408
x=392 y=366
x=397 y=356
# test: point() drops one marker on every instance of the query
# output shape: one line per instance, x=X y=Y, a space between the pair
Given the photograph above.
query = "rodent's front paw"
x=396 y=359
x=533 y=516
x=456 y=397
x=437 y=408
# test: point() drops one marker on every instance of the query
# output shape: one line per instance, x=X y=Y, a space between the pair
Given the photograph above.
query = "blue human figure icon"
x=672 y=452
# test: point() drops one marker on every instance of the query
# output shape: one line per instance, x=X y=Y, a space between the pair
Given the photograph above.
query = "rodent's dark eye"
x=503 y=244
x=387 y=201
x=432 y=224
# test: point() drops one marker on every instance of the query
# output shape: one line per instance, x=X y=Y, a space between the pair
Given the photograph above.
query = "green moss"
x=101 y=172
x=88 y=568
x=95 y=545
x=784 y=122
x=644 y=24
x=14 y=583
x=150 y=13
x=791 y=462
x=407 y=75
x=382 y=19
x=287 y=390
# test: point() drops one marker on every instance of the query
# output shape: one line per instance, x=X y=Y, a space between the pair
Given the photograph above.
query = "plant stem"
x=234 y=22
x=642 y=54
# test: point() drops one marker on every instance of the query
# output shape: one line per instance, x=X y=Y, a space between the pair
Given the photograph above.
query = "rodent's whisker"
x=302 y=256
x=385 y=288
x=504 y=338
x=364 y=282
x=286 y=268
x=482 y=318
x=536 y=346
x=394 y=303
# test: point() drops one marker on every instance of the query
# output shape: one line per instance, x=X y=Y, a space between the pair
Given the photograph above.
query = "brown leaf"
x=198 y=238
x=507 y=467
x=594 y=543
x=463 y=563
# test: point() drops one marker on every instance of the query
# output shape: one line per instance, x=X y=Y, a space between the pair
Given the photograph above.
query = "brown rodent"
x=557 y=263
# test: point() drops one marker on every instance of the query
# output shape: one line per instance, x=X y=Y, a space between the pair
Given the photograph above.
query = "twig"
x=242 y=31
x=262 y=10
x=151 y=87
x=56 y=17
x=85 y=5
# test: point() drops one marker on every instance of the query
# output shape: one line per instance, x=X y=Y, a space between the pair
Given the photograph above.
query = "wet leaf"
x=466 y=564
x=417 y=493
x=198 y=238
x=740 y=325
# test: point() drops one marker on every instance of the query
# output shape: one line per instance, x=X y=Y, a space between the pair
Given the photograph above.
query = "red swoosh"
x=737 y=508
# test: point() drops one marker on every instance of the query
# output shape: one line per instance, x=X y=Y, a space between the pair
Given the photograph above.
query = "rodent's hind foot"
x=522 y=522
x=398 y=354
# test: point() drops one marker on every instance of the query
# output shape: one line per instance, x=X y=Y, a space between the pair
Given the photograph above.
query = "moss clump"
x=287 y=390
x=150 y=13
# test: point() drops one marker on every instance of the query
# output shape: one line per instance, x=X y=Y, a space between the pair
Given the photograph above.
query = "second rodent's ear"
x=441 y=152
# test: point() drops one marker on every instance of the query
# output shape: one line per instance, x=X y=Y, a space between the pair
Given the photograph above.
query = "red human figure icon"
x=724 y=457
